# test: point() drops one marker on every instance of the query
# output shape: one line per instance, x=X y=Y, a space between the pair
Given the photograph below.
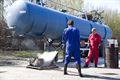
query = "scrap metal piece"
x=44 y=61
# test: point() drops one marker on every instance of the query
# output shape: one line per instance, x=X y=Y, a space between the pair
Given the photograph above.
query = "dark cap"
x=70 y=22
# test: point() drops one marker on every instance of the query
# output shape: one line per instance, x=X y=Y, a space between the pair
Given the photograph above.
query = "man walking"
x=71 y=40
x=94 y=41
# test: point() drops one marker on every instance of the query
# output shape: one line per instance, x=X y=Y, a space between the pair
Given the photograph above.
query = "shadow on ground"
x=100 y=77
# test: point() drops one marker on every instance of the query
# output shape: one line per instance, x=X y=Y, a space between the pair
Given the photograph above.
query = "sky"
x=104 y=4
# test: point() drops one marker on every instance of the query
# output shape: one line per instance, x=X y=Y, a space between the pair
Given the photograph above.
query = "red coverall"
x=94 y=41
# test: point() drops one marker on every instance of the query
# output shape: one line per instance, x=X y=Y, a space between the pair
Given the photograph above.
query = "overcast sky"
x=105 y=4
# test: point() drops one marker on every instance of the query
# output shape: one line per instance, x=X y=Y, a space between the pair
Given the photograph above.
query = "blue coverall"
x=71 y=39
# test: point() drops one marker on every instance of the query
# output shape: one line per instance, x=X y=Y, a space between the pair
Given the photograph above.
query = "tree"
x=71 y=6
x=1 y=9
x=112 y=18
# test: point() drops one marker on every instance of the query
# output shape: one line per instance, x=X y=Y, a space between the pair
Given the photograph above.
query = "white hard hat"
x=93 y=29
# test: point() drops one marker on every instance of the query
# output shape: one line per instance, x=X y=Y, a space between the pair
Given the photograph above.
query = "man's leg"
x=65 y=69
x=88 y=58
x=78 y=66
x=78 y=62
x=67 y=60
x=96 y=57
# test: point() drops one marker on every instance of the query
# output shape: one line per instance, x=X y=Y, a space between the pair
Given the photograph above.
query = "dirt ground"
x=14 y=68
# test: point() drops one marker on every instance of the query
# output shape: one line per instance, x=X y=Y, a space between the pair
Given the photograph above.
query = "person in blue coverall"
x=71 y=40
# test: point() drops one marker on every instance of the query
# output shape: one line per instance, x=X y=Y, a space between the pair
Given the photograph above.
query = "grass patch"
x=25 y=54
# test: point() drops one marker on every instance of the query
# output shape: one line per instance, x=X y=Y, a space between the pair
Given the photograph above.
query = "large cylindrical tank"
x=27 y=18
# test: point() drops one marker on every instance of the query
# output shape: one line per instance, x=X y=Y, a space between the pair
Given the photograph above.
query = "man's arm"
x=78 y=36
x=89 y=40
x=63 y=37
x=63 y=40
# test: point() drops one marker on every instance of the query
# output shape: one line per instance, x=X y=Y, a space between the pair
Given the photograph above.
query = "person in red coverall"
x=94 y=41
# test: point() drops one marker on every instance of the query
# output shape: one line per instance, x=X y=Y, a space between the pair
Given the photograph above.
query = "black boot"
x=65 y=69
x=79 y=70
x=85 y=66
x=95 y=65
